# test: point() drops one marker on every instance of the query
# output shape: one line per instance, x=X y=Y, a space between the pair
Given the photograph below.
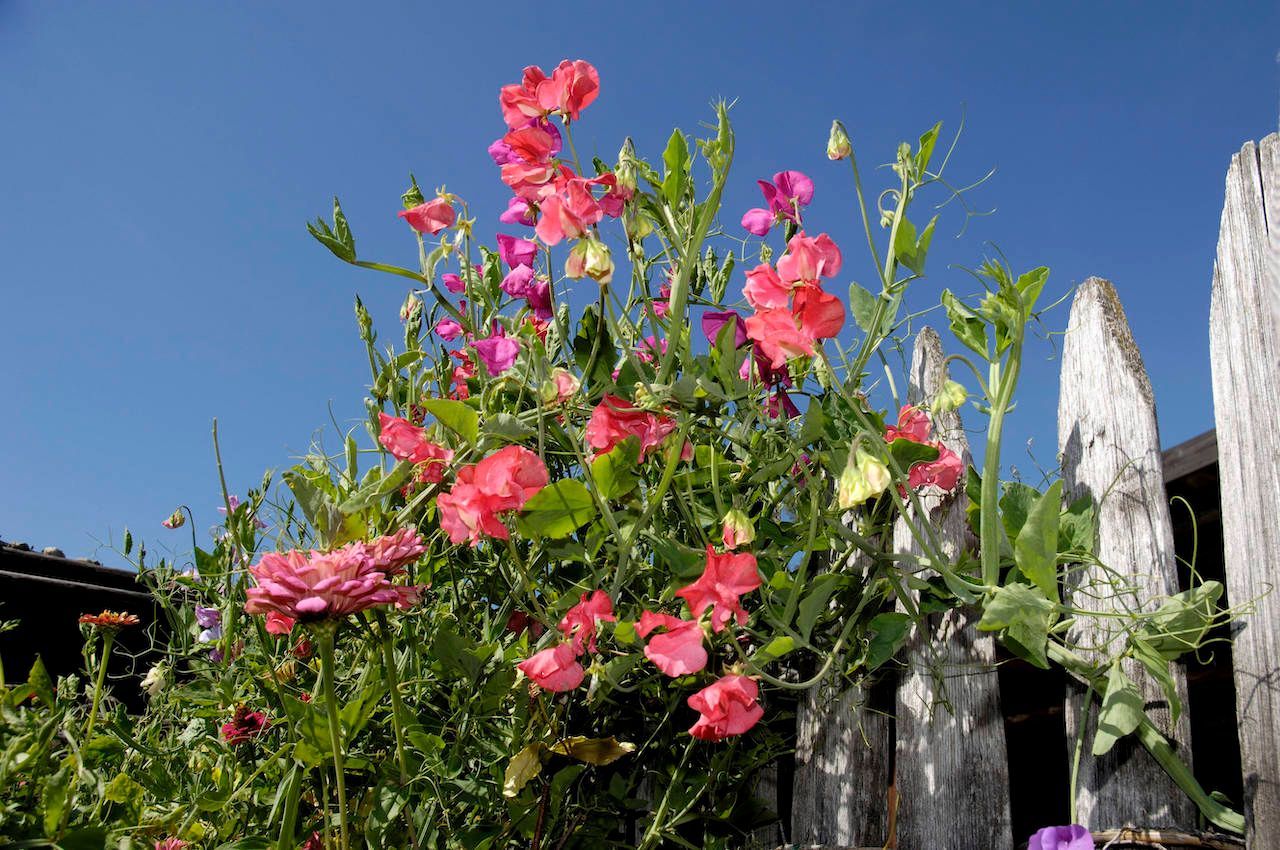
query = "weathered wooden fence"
x=915 y=774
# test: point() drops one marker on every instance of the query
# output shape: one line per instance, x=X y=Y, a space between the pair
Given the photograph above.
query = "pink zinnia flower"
x=244 y=726
x=580 y=621
x=728 y=707
x=555 y=668
x=679 y=650
x=614 y=419
x=497 y=351
x=724 y=580
x=432 y=217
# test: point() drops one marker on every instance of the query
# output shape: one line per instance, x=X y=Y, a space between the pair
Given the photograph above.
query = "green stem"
x=654 y=832
x=397 y=713
x=108 y=638
x=990 y=527
x=326 y=636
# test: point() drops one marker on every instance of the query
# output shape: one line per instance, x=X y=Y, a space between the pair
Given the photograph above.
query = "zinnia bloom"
x=679 y=650
x=500 y=483
x=614 y=419
x=555 y=668
x=432 y=217
x=728 y=707
x=244 y=726
x=111 y=620
x=724 y=580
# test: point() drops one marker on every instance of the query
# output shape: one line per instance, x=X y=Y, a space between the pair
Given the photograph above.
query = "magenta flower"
x=453 y=282
x=448 y=328
x=1073 y=837
x=789 y=191
x=518 y=212
x=539 y=296
x=713 y=321
x=498 y=351
x=515 y=251
x=244 y=726
x=518 y=281
x=234 y=501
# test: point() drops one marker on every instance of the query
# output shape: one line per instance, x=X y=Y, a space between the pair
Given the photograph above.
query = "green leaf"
x=1157 y=666
x=377 y=489
x=1029 y=286
x=614 y=472
x=458 y=417
x=815 y=424
x=967 y=325
x=1035 y=550
x=557 y=510
x=39 y=684
x=85 y=838
x=773 y=650
x=593 y=350
x=1016 y=503
x=1024 y=613
x=908 y=453
x=889 y=633
x=928 y=140
x=814 y=603
x=338 y=238
x=1180 y=623
x=1076 y=532
x=1121 y=711
x=911 y=250
x=862 y=304
x=507 y=428
x=54 y=796
x=676 y=161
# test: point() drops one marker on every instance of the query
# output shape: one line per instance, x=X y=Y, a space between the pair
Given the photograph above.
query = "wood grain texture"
x=951 y=771
x=1244 y=345
x=1110 y=451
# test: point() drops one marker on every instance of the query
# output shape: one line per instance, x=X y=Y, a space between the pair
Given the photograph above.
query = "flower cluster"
x=484 y=491
x=557 y=668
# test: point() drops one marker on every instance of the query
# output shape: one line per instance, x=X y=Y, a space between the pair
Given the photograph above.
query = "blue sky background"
x=158 y=162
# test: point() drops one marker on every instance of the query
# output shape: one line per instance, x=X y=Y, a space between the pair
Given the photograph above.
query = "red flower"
x=728 y=707
x=725 y=579
x=678 y=651
x=110 y=620
x=580 y=621
x=570 y=89
x=555 y=668
x=944 y=472
x=614 y=419
x=244 y=726
x=432 y=217
x=500 y=483
x=820 y=314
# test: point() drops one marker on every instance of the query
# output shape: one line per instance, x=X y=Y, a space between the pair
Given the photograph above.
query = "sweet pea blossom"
x=515 y=251
x=562 y=386
x=430 y=218
x=809 y=258
x=737 y=529
x=864 y=477
x=177 y=519
x=1073 y=837
x=765 y=289
x=789 y=191
x=943 y=472
x=571 y=88
x=448 y=329
x=727 y=707
x=614 y=419
x=518 y=281
x=406 y=441
x=713 y=321
x=913 y=424
x=518 y=212
x=453 y=282
x=279 y=624
x=555 y=668
x=498 y=484
x=678 y=651
x=724 y=580
x=171 y=843
x=590 y=258
x=210 y=621
x=497 y=351
x=580 y=621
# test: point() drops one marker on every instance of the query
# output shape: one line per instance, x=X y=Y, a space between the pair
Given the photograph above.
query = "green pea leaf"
x=457 y=416
x=862 y=304
x=1121 y=711
x=889 y=633
x=614 y=472
x=557 y=510
x=1035 y=550
x=337 y=238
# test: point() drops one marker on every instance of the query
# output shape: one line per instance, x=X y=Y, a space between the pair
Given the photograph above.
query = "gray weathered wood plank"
x=951 y=771
x=1110 y=450
x=1244 y=343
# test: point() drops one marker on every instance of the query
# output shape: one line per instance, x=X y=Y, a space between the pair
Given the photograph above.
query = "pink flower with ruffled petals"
x=279 y=624
x=517 y=212
x=808 y=258
x=764 y=289
x=651 y=349
x=614 y=419
x=789 y=191
x=580 y=621
x=171 y=843
x=432 y=217
x=497 y=351
x=944 y=471
x=244 y=726
x=407 y=441
x=724 y=580
x=678 y=651
x=518 y=282
x=448 y=329
x=453 y=282
x=778 y=336
x=555 y=668
x=819 y=314
x=913 y=424
x=499 y=483
x=539 y=296
x=516 y=251
x=728 y=707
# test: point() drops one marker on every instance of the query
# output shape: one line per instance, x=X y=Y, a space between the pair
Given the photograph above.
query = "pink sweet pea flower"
x=528 y=179
x=497 y=351
x=651 y=349
x=807 y=259
x=555 y=668
x=725 y=578
x=778 y=336
x=500 y=483
x=171 y=843
x=279 y=624
x=519 y=101
x=712 y=322
x=539 y=296
x=789 y=191
x=518 y=282
x=943 y=473
x=448 y=328
x=501 y=153
x=515 y=251
x=407 y=441
x=614 y=419
x=580 y=621
x=432 y=217
x=780 y=405
x=913 y=424
x=532 y=143
x=764 y=289
x=517 y=212
x=819 y=314
x=678 y=651
x=453 y=282
x=728 y=707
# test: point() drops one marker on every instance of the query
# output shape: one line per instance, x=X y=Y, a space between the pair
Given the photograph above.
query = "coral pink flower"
x=528 y=179
x=407 y=441
x=728 y=707
x=564 y=385
x=515 y=251
x=807 y=259
x=519 y=101
x=913 y=424
x=502 y=482
x=614 y=419
x=568 y=213
x=581 y=620
x=555 y=668
x=464 y=371
x=725 y=579
x=574 y=85
x=789 y=191
x=432 y=217
x=244 y=726
x=534 y=143
x=778 y=336
x=517 y=212
x=765 y=289
x=279 y=624
x=453 y=282
x=497 y=351
x=679 y=650
x=820 y=314
x=943 y=473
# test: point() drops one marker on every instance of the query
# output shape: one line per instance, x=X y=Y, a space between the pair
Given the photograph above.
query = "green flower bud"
x=952 y=397
x=864 y=477
x=364 y=320
x=738 y=530
x=838 y=145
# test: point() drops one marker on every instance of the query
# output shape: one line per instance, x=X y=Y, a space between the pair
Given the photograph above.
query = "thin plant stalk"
x=108 y=639
x=326 y=636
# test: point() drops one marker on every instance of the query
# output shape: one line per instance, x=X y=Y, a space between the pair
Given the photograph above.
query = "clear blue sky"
x=158 y=162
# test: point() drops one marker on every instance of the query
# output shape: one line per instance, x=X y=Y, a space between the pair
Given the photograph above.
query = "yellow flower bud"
x=863 y=478
x=838 y=145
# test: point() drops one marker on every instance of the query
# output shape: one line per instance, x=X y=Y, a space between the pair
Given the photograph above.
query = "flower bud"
x=952 y=397
x=560 y=387
x=626 y=170
x=863 y=478
x=411 y=307
x=590 y=258
x=177 y=519
x=838 y=145
x=412 y=196
x=156 y=679
x=738 y=530
x=364 y=320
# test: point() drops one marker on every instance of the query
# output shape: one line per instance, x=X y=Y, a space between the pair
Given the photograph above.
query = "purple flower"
x=234 y=501
x=207 y=618
x=517 y=212
x=1073 y=837
x=712 y=322
x=518 y=281
x=500 y=152
x=789 y=191
x=539 y=296
x=453 y=282
x=516 y=251
x=448 y=328
x=498 y=351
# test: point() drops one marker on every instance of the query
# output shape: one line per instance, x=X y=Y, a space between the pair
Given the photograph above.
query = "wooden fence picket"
x=951 y=773
x=1110 y=450
x=1244 y=341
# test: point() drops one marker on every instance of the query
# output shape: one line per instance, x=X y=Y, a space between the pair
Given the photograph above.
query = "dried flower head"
x=112 y=620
